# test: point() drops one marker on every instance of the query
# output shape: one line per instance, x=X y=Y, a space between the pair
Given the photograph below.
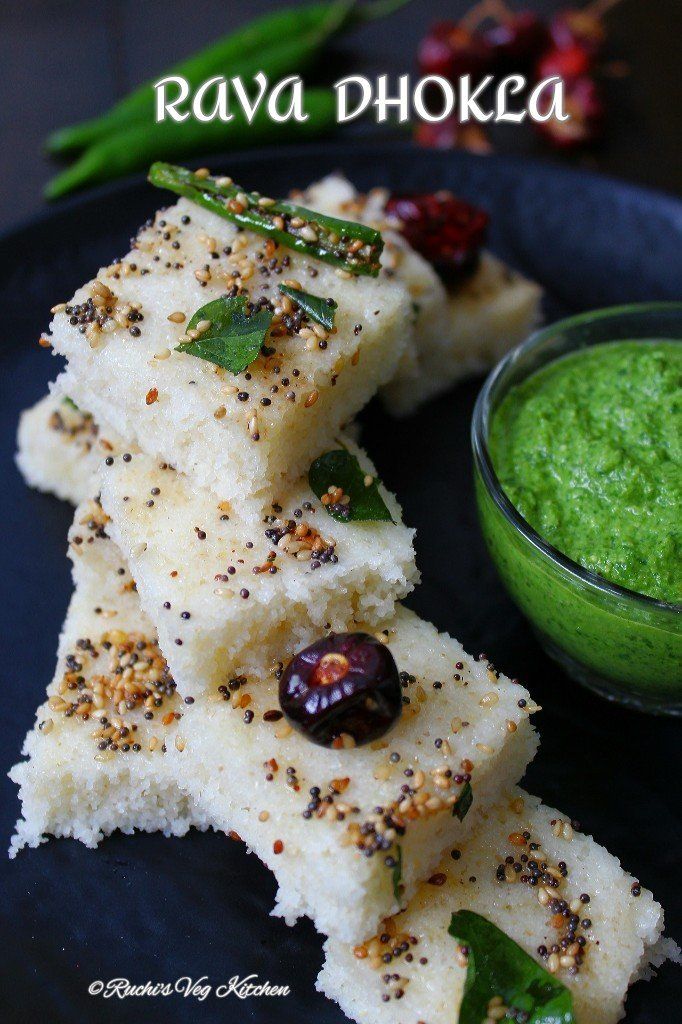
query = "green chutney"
x=589 y=450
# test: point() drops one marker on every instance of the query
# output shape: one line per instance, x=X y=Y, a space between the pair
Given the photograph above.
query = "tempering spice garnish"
x=347 y=493
x=529 y=865
x=74 y=423
x=503 y=977
x=355 y=248
x=223 y=333
x=388 y=945
x=105 y=681
x=322 y=311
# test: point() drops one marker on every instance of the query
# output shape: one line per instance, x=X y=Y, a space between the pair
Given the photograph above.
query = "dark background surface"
x=148 y=908
x=154 y=908
x=65 y=60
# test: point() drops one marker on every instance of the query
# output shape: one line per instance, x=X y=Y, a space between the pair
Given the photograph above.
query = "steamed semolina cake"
x=236 y=434
x=96 y=753
x=460 y=329
x=59 y=448
x=489 y=314
x=350 y=832
x=229 y=593
x=522 y=867
x=428 y=297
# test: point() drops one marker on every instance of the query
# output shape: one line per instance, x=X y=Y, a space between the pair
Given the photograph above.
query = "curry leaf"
x=464 y=802
x=339 y=469
x=233 y=339
x=497 y=966
x=320 y=310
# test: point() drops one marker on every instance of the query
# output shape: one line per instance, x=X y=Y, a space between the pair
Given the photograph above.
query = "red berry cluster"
x=492 y=38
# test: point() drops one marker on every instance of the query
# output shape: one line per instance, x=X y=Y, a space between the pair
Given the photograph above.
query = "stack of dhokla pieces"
x=225 y=524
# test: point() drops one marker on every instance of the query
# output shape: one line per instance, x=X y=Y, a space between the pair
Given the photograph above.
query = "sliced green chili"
x=353 y=247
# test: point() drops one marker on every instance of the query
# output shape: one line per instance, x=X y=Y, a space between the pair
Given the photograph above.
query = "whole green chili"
x=136 y=148
x=355 y=248
x=255 y=47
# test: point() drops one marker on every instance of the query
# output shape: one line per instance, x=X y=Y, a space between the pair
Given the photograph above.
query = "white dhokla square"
x=460 y=330
x=349 y=833
x=110 y=676
x=423 y=977
x=228 y=594
x=237 y=435
x=232 y=761
x=59 y=448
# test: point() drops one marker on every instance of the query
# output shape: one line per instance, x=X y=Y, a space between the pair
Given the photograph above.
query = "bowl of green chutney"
x=577 y=441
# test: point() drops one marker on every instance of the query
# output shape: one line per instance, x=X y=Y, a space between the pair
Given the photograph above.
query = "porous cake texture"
x=349 y=833
x=96 y=758
x=460 y=330
x=236 y=435
x=488 y=315
x=309 y=812
x=413 y=970
x=59 y=448
x=229 y=594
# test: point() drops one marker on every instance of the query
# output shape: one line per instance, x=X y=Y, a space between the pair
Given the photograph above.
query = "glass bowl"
x=625 y=646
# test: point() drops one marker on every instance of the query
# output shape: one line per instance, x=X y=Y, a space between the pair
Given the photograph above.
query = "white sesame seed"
x=488 y=700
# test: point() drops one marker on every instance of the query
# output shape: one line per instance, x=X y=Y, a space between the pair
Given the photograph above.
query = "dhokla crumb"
x=120 y=335
x=241 y=768
x=558 y=894
x=226 y=590
x=459 y=330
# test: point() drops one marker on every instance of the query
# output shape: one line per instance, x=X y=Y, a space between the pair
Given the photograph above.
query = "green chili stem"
x=278 y=43
x=327 y=238
x=136 y=148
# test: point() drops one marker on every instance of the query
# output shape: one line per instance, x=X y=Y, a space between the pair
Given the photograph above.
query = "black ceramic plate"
x=153 y=909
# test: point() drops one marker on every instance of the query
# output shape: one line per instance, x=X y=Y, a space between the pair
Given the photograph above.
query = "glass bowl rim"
x=484 y=463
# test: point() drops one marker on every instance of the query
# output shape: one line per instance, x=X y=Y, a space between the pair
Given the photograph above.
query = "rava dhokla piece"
x=195 y=347
x=228 y=593
x=586 y=923
x=348 y=831
x=463 y=324
x=59 y=448
x=96 y=753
